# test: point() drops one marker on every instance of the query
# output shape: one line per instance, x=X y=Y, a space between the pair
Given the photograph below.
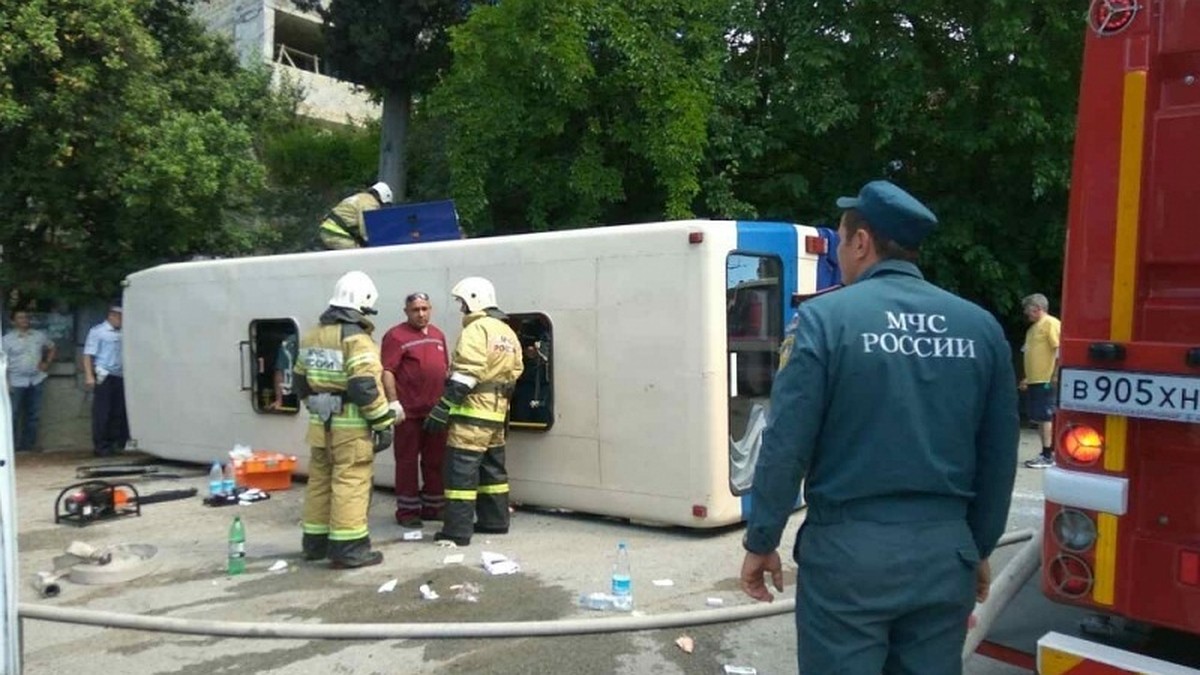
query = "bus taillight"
x=1082 y=444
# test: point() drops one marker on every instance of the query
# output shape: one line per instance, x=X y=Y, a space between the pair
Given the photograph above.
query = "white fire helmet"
x=475 y=293
x=383 y=191
x=356 y=291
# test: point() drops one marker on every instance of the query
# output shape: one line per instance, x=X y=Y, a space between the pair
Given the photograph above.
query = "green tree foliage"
x=397 y=49
x=968 y=103
x=580 y=111
x=575 y=112
x=127 y=137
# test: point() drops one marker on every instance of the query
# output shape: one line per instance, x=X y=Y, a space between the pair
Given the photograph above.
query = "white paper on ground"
x=453 y=559
x=412 y=535
x=496 y=563
x=388 y=587
x=663 y=582
x=278 y=566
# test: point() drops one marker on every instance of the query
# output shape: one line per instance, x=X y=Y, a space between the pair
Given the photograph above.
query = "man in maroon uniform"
x=415 y=363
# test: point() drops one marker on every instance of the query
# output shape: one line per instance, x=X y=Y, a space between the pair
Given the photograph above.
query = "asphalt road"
x=561 y=555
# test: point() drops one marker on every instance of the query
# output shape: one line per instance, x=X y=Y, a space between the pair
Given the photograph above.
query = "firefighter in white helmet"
x=343 y=227
x=485 y=366
x=337 y=375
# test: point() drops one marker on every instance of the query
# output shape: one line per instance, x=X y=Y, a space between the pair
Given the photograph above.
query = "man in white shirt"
x=29 y=353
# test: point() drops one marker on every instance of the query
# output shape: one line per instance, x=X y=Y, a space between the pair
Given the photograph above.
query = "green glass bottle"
x=237 y=546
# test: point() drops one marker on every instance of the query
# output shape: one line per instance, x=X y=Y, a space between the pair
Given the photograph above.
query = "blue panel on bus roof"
x=412 y=223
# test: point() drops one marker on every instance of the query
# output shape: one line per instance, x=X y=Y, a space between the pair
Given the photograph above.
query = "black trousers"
x=110 y=426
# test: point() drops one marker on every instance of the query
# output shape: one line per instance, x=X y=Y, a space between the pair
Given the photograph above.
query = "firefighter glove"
x=382 y=440
x=439 y=417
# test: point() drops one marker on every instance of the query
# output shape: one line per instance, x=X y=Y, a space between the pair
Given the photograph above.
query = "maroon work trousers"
x=419 y=491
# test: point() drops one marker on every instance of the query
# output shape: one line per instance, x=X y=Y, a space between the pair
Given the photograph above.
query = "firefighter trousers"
x=337 y=497
x=887 y=598
x=476 y=481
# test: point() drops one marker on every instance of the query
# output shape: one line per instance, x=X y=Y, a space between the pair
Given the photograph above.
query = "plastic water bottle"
x=622 y=582
x=228 y=480
x=216 y=479
x=237 y=547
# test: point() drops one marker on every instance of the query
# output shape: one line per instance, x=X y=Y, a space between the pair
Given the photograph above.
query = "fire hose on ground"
x=395 y=631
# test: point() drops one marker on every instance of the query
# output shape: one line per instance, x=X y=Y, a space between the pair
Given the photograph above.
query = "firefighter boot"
x=315 y=546
x=458 y=519
x=352 y=554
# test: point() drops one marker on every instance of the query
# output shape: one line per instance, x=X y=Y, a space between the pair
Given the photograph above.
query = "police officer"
x=338 y=375
x=487 y=362
x=897 y=408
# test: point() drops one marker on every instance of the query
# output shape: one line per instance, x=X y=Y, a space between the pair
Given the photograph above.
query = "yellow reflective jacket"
x=339 y=357
x=346 y=219
x=488 y=355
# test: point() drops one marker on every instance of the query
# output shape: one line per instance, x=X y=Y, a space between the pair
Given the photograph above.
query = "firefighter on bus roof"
x=338 y=377
x=486 y=364
x=897 y=409
x=343 y=226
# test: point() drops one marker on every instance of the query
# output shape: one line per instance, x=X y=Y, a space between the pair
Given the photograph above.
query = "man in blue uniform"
x=898 y=408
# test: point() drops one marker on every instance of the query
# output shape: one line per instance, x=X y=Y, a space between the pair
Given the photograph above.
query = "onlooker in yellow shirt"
x=1041 y=373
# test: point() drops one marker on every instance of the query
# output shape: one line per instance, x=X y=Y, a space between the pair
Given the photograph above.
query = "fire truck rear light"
x=816 y=245
x=1082 y=444
x=695 y=237
x=1189 y=567
x=699 y=511
x=1074 y=530
x=1070 y=576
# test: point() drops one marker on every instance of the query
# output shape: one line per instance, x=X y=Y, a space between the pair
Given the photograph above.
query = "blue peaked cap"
x=892 y=212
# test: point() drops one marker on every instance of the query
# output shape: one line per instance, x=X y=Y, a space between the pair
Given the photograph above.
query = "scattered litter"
x=413 y=535
x=496 y=563
x=46 y=583
x=279 y=566
x=740 y=670
x=687 y=644
x=466 y=592
x=446 y=543
x=663 y=582
x=453 y=559
x=388 y=586
x=427 y=591
x=714 y=602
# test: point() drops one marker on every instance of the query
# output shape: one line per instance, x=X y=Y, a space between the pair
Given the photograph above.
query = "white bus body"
x=643 y=358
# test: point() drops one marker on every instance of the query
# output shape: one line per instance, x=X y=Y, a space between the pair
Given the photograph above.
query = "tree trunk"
x=393 y=139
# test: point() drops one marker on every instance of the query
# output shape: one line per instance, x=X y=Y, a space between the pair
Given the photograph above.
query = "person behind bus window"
x=416 y=362
x=897 y=412
x=285 y=361
x=29 y=352
x=1041 y=373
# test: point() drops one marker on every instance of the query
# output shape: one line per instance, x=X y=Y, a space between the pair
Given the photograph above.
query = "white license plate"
x=1160 y=397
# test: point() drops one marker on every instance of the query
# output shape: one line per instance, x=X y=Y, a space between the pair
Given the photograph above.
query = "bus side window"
x=274 y=345
x=532 y=406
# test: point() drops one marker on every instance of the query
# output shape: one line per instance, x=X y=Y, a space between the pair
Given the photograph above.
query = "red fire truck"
x=1122 y=518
